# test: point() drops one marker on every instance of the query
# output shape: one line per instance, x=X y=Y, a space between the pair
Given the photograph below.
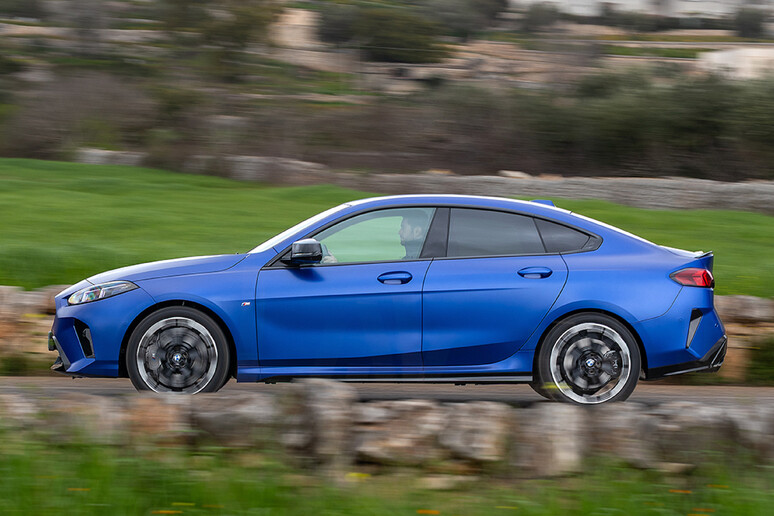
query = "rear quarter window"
x=561 y=239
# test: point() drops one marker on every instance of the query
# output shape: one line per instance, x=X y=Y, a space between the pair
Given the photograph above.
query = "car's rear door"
x=361 y=307
x=485 y=298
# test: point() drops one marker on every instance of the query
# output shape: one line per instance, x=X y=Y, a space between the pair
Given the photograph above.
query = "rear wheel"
x=588 y=359
x=178 y=349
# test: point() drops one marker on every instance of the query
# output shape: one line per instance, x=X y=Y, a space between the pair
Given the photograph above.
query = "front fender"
x=230 y=295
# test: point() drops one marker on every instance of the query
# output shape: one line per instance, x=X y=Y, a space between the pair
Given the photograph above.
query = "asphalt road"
x=517 y=395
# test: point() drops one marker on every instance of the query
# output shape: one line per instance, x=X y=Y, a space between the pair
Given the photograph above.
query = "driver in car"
x=412 y=232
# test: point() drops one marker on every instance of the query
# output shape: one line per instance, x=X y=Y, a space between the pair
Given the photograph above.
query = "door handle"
x=395 y=278
x=535 y=272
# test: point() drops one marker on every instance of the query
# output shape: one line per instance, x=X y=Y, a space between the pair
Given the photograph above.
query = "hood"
x=176 y=267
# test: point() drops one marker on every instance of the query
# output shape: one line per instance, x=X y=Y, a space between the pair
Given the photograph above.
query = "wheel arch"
x=122 y=371
x=558 y=320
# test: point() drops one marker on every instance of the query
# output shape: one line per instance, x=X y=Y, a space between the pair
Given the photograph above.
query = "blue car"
x=417 y=288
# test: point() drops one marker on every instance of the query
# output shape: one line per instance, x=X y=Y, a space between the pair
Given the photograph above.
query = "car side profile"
x=417 y=288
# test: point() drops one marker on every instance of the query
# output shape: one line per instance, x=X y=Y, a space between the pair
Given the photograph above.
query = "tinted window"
x=561 y=239
x=384 y=235
x=492 y=233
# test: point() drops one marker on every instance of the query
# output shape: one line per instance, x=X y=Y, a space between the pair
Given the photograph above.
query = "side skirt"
x=475 y=379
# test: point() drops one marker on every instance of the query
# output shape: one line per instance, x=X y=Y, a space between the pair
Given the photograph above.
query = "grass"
x=61 y=222
x=682 y=53
x=617 y=50
x=79 y=480
x=276 y=77
x=673 y=38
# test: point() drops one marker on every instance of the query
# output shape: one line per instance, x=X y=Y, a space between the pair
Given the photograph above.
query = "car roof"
x=463 y=200
x=532 y=207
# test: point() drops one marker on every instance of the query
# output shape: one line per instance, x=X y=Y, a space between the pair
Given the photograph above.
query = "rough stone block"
x=108 y=157
x=237 y=420
x=549 y=440
x=745 y=309
x=621 y=430
x=83 y=418
x=400 y=432
x=159 y=419
x=477 y=431
x=315 y=421
x=683 y=431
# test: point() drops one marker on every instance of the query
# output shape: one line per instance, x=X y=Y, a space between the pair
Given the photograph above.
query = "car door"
x=485 y=298
x=361 y=306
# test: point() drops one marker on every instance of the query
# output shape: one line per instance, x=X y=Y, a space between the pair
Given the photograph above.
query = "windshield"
x=297 y=228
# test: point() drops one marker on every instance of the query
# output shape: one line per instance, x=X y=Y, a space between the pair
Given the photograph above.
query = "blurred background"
x=138 y=130
x=578 y=87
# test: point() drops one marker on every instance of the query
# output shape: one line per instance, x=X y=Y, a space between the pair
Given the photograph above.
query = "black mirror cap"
x=305 y=251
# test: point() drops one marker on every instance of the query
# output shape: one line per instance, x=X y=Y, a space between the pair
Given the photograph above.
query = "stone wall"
x=653 y=193
x=321 y=423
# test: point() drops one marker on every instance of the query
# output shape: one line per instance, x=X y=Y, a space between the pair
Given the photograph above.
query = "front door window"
x=377 y=236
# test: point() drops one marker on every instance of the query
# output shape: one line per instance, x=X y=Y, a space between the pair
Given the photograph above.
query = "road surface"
x=516 y=395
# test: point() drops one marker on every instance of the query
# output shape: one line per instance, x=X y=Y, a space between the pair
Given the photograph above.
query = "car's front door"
x=486 y=297
x=360 y=307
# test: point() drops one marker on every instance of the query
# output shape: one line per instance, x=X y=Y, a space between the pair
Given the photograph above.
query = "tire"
x=178 y=349
x=588 y=359
x=539 y=388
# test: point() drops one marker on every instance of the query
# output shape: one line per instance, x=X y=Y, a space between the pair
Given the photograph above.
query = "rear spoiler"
x=688 y=254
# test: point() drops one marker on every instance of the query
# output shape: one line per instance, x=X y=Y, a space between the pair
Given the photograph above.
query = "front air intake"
x=84 y=337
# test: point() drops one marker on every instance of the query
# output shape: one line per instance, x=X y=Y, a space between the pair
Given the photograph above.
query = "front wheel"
x=589 y=359
x=178 y=349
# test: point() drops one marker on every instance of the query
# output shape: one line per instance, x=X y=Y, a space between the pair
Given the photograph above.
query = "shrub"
x=463 y=18
x=539 y=16
x=337 y=23
x=761 y=365
x=397 y=35
x=22 y=8
x=457 y=17
x=749 y=23
x=9 y=65
x=74 y=111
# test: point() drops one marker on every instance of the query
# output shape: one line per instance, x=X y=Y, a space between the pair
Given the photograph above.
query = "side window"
x=559 y=238
x=475 y=232
x=384 y=235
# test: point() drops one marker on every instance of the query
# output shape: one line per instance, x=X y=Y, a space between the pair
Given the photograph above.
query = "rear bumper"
x=709 y=363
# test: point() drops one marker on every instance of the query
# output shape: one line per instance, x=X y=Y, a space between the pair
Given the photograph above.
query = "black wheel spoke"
x=590 y=363
x=177 y=354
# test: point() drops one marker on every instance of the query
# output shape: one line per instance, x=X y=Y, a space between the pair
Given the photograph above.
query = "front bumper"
x=62 y=363
x=709 y=363
x=88 y=337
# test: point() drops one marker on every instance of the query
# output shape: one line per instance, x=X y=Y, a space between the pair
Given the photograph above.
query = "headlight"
x=101 y=291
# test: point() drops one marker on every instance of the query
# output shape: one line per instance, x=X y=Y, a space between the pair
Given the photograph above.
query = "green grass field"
x=49 y=478
x=61 y=222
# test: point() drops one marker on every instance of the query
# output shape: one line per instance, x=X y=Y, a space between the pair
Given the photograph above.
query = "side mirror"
x=305 y=251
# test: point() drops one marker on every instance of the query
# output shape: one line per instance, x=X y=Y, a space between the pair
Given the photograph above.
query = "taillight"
x=694 y=277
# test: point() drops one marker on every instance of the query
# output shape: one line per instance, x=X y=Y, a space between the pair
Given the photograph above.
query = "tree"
x=23 y=8
x=223 y=28
x=459 y=17
x=539 y=16
x=749 y=23
x=337 y=23
x=397 y=35
x=181 y=14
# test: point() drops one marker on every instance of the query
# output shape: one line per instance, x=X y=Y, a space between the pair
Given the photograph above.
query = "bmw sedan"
x=419 y=288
